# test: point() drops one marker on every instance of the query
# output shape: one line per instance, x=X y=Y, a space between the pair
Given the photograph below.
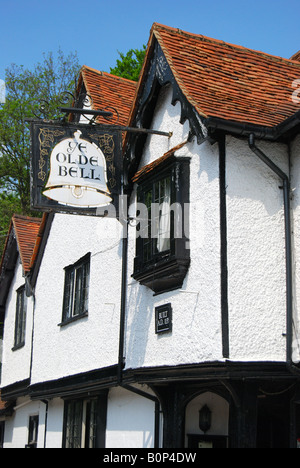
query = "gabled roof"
x=27 y=231
x=228 y=81
x=24 y=237
x=296 y=56
x=145 y=171
x=109 y=91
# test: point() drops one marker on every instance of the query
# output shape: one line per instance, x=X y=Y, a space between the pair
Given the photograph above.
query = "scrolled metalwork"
x=85 y=100
x=81 y=103
x=114 y=118
x=42 y=110
x=65 y=98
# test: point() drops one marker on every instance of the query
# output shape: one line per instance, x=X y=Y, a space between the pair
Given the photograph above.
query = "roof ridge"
x=157 y=27
x=101 y=73
x=176 y=75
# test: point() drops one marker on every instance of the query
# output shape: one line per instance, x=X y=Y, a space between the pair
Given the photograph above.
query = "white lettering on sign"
x=78 y=174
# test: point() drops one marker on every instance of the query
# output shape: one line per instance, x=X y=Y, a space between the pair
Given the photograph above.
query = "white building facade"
x=183 y=339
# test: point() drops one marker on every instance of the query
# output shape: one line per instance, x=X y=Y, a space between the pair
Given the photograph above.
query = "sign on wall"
x=75 y=168
x=163 y=318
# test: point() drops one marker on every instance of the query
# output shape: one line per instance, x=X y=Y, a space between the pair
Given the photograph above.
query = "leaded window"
x=157 y=200
x=76 y=290
x=33 y=431
x=20 y=322
x=73 y=424
x=80 y=424
x=162 y=241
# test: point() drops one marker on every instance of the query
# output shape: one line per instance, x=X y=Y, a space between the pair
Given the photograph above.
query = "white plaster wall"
x=16 y=427
x=196 y=334
x=295 y=204
x=16 y=364
x=130 y=420
x=91 y=342
x=55 y=418
x=256 y=252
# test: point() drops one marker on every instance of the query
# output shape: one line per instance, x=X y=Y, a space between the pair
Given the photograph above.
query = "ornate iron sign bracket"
x=109 y=114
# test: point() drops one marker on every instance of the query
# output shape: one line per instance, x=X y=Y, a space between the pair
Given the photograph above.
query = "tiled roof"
x=2 y=403
x=109 y=91
x=146 y=170
x=5 y=407
x=28 y=235
x=229 y=81
x=296 y=56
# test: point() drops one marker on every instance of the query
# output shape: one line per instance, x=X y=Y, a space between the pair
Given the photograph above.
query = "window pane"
x=33 y=431
x=76 y=290
x=146 y=232
x=73 y=424
x=91 y=424
x=68 y=294
x=158 y=202
x=80 y=415
x=164 y=215
x=86 y=282
x=20 y=323
x=81 y=289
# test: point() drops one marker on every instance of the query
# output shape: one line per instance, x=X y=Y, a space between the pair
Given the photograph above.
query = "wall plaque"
x=163 y=318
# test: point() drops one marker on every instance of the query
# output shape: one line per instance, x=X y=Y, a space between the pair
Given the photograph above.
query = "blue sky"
x=97 y=29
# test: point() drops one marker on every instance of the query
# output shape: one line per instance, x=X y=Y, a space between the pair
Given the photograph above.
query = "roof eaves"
x=147 y=170
x=166 y=39
x=274 y=133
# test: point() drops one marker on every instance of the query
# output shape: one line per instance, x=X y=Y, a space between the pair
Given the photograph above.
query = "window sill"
x=18 y=346
x=72 y=319
x=163 y=277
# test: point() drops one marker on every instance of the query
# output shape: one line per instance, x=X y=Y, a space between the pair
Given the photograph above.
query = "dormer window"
x=162 y=248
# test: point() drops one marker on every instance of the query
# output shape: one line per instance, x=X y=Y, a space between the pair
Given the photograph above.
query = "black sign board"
x=163 y=318
x=75 y=168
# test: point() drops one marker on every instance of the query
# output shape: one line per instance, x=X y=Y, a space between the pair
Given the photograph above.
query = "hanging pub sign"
x=75 y=168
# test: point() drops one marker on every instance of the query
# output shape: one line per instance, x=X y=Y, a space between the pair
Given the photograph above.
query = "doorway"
x=216 y=432
x=273 y=421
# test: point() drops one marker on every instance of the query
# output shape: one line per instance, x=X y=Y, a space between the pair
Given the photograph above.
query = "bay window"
x=162 y=247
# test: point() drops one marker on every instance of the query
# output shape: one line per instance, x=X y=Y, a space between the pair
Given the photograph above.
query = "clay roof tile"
x=109 y=92
x=230 y=81
x=28 y=235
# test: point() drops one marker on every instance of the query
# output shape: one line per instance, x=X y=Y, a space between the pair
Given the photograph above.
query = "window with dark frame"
x=33 y=431
x=76 y=290
x=20 y=321
x=80 y=426
x=2 y=428
x=162 y=244
x=158 y=236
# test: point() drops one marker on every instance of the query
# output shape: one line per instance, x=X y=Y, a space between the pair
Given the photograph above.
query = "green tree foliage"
x=25 y=91
x=130 y=64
